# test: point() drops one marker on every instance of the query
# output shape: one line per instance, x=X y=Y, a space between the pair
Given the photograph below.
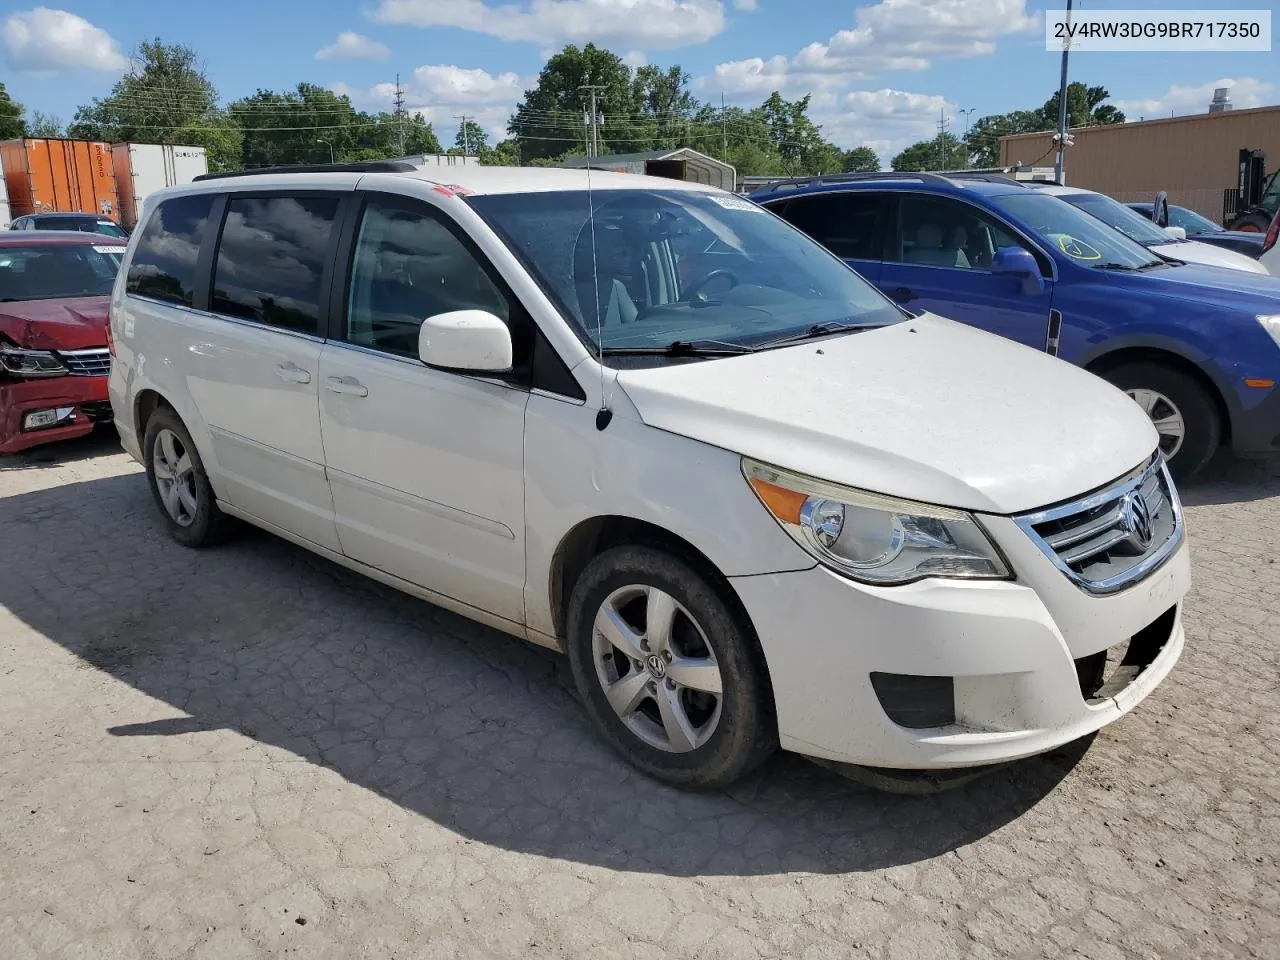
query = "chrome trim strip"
x=1139 y=571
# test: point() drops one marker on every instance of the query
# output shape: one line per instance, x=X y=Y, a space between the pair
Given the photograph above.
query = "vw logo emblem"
x=1136 y=517
x=657 y=666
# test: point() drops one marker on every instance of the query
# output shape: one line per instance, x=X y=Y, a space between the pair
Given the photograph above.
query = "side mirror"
x=1160 y=210
x=1178 y=233
x=465 y=341
x=1021 y=265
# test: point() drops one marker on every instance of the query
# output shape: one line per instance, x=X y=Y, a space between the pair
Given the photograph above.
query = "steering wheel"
x=695 y=288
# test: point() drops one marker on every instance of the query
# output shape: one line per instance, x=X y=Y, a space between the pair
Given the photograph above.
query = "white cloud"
x=441 y=93
x=745 y=4
x=353 y=46
x=44 y=39
x=885 y=120
x=889 y=35
x=1245 y=93
x=653 y=24
x=636 y=58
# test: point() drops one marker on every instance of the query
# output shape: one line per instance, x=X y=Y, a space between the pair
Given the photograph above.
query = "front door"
x=939 y=259
x=426 y=467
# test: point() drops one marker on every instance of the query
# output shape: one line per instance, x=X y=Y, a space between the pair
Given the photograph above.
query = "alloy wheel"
x=1165 y=416
x=175 y=477
x=657 y=668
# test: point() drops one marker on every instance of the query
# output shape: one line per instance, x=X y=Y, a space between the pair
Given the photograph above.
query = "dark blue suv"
x=1197 y=347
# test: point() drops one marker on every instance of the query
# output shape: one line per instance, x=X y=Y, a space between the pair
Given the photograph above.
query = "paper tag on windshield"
x=111 y=248
x=730 y=202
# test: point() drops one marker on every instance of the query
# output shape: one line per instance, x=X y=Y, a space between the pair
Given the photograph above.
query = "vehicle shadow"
x=479 y=732
x=104 y=440
x=1229 y=479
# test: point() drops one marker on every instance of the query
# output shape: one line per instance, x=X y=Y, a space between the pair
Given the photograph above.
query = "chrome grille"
x=95 y=362
x=1112 y=538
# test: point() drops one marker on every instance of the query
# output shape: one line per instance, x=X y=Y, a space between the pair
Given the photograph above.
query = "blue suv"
x=1197 y=347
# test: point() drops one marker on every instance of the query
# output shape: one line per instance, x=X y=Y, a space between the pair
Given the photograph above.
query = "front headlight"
x=1271 y=324
x=875 y=538
x=30 y=363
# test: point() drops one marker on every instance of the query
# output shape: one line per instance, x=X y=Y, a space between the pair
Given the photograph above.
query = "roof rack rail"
x=922 y=176
x=371 y=166
x=984 y=176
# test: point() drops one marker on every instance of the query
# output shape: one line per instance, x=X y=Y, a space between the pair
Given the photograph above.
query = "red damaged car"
x=55 y=289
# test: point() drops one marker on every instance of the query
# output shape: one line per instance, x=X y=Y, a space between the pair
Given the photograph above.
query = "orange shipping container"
x=67 y=176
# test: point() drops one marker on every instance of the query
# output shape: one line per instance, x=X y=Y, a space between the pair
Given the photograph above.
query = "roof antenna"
x=604 y=415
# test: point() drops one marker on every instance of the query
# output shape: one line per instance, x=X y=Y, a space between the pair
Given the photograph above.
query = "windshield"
x=51 y=272
x=109 y=229
x=1191 y=221
x=677 y=266
x=1115 y=214
x=1072 y=232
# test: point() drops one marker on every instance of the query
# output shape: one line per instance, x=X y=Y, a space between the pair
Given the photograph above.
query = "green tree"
x=943 y=152
x=861 y=160
x=505 y=154
x=983 y=139
x=1085 y=108
x=11 y=123
x=472 y=138
x=44 y=125
x=550 y=120
x=166 y=98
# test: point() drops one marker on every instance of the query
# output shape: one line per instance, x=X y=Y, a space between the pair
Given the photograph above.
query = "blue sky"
x=880 y=71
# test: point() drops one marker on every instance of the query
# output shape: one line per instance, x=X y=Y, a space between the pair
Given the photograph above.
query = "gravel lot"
x=249 y=752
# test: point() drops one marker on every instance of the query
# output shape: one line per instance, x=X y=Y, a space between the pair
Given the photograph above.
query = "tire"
x=1157 y=387
x=709 y=645
x=197 y=521
x=1251 y=222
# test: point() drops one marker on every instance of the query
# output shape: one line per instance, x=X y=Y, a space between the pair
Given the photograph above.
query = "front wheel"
x=1181 y=410
x=670 y=675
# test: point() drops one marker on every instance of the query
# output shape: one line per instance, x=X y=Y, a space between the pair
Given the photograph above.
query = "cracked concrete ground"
x=249 y=752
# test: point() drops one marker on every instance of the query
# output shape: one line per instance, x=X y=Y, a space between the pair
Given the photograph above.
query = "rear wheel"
x=669 y=674
x=179 y=483
x=1181 y=410
x=1251 y=223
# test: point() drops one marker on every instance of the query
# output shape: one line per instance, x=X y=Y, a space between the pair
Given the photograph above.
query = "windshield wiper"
x=1125 y=268
x=682 y=348
x=817 y=330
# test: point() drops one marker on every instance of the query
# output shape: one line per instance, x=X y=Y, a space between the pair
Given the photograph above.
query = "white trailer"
x=142 y=168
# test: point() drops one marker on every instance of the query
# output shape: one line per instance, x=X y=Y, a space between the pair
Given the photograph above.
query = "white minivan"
x=649 y=424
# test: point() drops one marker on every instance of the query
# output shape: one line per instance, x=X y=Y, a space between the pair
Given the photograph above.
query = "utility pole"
x=399 y=102
x=724 y=132
x=942 y=144
x=1060 y=168
x=593 y=143
x=967 y=114
x=466 y=133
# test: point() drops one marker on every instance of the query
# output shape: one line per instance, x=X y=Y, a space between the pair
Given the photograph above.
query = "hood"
x=1193 y=251
x=73 y=324
x=1250 y=292
x=927 y=409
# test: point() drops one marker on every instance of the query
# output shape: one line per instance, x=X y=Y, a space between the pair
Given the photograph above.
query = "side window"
x=942 y=232
x=271 y=258
x=409 y=266
x=164 y=263
x=844 y=223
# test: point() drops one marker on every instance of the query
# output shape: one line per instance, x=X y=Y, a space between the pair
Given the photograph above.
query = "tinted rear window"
x=164 y=264
x=271 y=258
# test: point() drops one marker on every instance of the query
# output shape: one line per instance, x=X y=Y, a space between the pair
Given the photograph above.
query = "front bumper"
x=1013 y=650
x=1256 y=430
x=87 y=396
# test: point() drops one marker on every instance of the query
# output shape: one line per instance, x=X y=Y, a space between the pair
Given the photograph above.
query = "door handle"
x=293 y=373
x=347 y=385
x=902 y=294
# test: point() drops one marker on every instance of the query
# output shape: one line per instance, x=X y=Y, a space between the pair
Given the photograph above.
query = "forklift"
x=1257 y=195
